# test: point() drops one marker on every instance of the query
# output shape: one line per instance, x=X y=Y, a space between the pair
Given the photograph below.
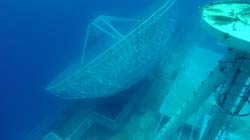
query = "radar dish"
x=124 y=59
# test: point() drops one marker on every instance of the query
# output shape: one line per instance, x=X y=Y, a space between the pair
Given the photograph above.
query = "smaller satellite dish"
x=230 y=22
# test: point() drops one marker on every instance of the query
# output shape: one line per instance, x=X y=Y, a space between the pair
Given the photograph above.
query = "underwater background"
x=40 y=38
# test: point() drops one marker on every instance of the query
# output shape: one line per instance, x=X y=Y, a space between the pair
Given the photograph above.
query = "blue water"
x=37 y=40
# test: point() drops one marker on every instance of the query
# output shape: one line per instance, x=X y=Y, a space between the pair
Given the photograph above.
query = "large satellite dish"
x=124 y=63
